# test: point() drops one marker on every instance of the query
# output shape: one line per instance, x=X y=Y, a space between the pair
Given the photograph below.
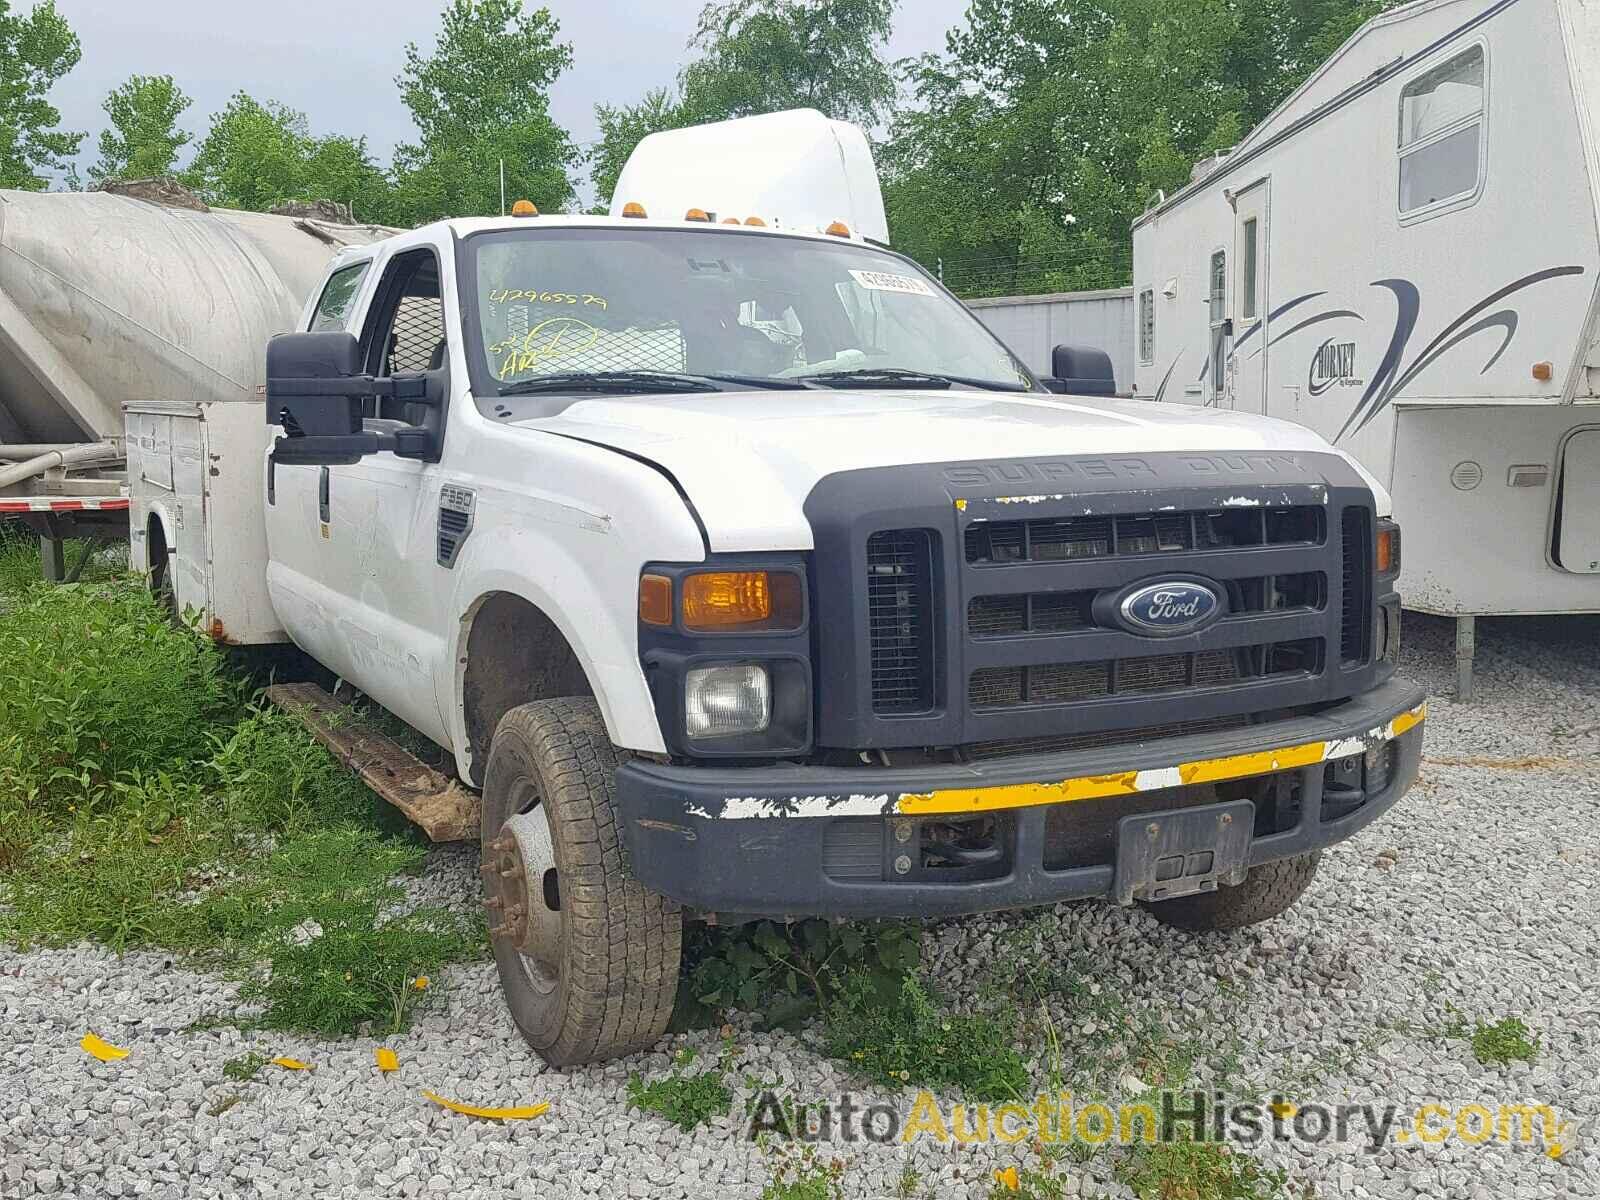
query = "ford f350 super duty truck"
x=744 y=573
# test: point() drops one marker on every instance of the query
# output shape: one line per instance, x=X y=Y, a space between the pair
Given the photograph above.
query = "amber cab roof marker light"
x=633 y=209
x=756 y=221
x=696 y=214
x=838 y=229
x=524 y=208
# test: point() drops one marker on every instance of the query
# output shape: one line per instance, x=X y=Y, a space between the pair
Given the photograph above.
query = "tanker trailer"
x=136 y=298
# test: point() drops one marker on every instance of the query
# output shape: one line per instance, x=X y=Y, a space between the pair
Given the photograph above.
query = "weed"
x=1507 y=1040
x=799 y=1174
x=1029 y=1183
x=1188 y=1170
x=685 y=1100
x=246 y=1067
x=224 y=1104
x=904 y=1037
x=787 y=972
x=905 y=1187
x=145 y=802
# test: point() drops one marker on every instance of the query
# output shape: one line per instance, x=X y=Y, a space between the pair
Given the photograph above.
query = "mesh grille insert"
x=899 y=620
x=1355 y=622
x=995 y=543
x=1053 y=683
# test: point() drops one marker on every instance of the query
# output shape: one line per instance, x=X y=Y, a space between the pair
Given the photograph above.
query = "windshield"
x=561 y=303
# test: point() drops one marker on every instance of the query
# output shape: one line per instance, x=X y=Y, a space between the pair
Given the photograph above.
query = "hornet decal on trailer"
x=1390 y=379
x=1334 y=362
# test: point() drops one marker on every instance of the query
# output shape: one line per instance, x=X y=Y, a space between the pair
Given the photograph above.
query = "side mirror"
x=308 y=378
x=1081 y=371
x=315 y=387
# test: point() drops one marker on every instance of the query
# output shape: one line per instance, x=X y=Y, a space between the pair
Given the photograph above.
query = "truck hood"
x=748 y=460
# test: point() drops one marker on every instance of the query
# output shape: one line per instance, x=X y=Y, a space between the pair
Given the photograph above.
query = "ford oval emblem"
x=1169 y=607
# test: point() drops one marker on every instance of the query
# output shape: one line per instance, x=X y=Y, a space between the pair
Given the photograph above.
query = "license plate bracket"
x=1162 y=855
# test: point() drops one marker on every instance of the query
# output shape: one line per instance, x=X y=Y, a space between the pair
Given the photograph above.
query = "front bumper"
x=785 y=840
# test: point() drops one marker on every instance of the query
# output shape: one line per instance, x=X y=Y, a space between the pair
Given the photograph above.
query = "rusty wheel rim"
x=528 y=899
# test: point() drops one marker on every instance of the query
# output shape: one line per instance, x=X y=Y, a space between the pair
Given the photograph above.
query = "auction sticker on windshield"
x=885 y=281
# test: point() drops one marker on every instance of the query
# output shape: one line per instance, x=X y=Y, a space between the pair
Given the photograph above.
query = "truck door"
x=367 y=531
x=1251 y=336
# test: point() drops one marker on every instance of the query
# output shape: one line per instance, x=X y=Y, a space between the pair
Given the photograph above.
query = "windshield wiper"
x=774 y=382
x=899 y=377
x=621 y=382
x=616 y=382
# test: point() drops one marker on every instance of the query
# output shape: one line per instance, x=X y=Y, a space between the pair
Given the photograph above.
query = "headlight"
x=726 y=701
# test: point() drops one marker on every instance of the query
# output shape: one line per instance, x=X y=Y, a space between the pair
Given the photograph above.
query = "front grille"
x=1062 y=742
x=1055 y=683
x=996 y=543
x=900 y=620
x=1045 y=612
x=1061 y=612
x=1355 y=624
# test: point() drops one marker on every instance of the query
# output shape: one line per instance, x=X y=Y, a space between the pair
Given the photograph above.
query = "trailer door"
x=1250 y=299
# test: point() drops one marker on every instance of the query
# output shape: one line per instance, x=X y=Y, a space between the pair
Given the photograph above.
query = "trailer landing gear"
x=1466 y=647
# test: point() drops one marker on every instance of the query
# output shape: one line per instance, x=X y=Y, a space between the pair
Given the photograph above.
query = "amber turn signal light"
x=742 y=600
x=655 y=600
x=1388 y=557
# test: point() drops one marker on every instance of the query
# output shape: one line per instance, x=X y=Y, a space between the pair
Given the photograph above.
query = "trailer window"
x=333 y=306
x=1219 y=287
x=1441 y=133
x=1147 y=326
x=1219 y=318
x=1247 y=298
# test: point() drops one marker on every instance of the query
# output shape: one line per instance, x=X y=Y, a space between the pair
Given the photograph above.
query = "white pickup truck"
x=744 y=573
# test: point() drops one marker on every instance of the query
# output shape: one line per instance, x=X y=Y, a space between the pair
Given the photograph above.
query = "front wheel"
x=1267 y=891
x=588 y=957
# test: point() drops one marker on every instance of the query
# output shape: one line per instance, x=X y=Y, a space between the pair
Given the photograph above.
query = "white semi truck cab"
x=746 y=574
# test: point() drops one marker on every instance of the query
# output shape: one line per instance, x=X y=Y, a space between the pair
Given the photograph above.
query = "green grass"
x=245 y=1067
x=1506 y=1041
x=800 y=1173
x=906 y=1037
x=145 y=800
x=684 y=1099
x=1186 y=1170
x=21 y=568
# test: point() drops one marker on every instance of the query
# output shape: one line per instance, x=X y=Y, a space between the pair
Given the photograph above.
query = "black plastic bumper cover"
x=712 y=837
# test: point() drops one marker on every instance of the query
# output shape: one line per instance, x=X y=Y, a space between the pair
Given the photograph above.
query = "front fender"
x=582 y=571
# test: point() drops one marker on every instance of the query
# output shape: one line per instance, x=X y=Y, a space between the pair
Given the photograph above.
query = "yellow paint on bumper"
x=1127 y=783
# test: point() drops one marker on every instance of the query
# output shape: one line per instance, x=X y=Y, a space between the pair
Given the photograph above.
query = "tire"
x=1267 y=891
x=590 y=969
x=163 y=587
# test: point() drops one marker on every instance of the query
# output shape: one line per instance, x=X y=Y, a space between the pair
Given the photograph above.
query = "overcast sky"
x=336 y=60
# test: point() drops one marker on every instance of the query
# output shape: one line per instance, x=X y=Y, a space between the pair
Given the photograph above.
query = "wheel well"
x=156 y=551
x=514 y=655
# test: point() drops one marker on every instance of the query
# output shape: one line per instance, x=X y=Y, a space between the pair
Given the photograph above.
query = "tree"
x=1043 y=130
x=35 y=51
x=761 y=56
x=258 y=155
x=482 y=97
x=622 y=127
x=253 y=156
x=144 y=138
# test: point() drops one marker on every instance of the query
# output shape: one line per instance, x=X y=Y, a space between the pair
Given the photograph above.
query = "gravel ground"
x=1478 y=892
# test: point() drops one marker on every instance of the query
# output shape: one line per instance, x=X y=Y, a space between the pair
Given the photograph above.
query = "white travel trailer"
x=1403 y=257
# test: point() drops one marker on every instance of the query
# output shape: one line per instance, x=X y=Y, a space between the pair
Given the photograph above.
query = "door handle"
x=322 y=495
